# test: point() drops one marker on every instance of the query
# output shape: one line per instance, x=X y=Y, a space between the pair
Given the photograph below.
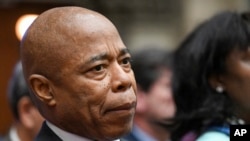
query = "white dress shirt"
x=13 y=134
x=66 y=136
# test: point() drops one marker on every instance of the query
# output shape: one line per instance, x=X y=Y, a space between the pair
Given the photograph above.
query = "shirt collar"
x=13 y=134
x=66 y=136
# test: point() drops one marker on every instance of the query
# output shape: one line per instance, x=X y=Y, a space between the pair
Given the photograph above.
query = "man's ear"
x=216 y=82
x=42 y=89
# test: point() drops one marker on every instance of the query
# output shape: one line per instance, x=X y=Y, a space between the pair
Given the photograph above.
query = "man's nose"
x=120 y=78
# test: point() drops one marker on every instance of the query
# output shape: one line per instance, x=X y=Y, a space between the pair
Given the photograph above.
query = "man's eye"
x=126 y=61
x=98 y=68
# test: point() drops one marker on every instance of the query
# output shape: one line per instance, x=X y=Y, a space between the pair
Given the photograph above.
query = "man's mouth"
x=122 y=108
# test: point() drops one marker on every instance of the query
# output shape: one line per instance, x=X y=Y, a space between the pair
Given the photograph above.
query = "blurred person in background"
x=152 y=68
x=27 y=120
x=211 y=79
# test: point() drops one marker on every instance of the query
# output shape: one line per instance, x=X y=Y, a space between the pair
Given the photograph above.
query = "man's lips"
x=123 y=107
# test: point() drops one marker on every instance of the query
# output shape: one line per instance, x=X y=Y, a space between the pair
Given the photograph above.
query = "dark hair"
x=201 y=55
x=17 y=88
x=146 y=64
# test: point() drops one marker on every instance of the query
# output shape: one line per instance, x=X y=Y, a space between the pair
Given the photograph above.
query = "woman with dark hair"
x=211 y=79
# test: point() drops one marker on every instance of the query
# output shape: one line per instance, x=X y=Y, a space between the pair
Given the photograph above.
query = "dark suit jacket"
x=6 y=138
x=46 y=134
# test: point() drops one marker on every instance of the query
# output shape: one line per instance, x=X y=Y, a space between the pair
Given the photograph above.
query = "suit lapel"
x=46 y=134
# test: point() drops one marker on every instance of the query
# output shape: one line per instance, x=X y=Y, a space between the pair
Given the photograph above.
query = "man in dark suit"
x=80 y=75
x=27 y=120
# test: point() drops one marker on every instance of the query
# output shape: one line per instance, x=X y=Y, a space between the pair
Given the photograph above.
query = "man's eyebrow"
x=97 y=58
x=105 y=56
x=124 y=51
x=93 y=59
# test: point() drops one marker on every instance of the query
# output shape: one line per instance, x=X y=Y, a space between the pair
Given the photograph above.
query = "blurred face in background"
x=159 y=98
x=157 y=103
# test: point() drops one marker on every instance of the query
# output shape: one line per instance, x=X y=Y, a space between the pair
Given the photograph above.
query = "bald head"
x=55 y=33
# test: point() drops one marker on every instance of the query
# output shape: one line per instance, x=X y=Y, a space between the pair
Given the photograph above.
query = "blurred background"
x=140 y=22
